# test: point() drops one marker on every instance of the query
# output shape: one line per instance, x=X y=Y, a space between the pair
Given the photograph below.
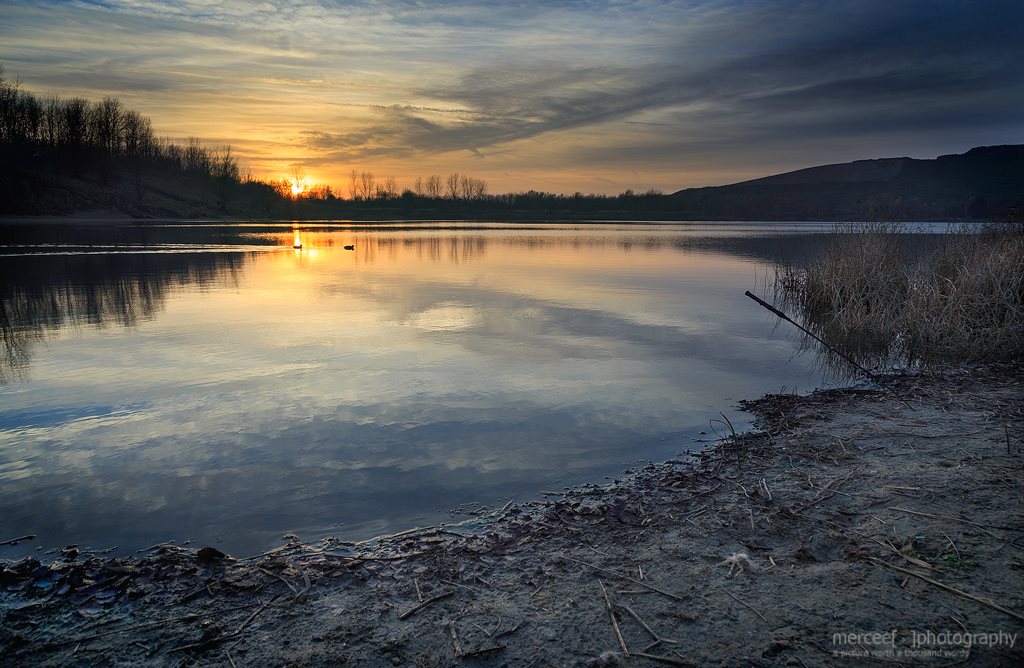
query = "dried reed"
x=963 y=301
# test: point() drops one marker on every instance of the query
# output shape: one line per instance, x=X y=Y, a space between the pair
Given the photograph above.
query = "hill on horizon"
x=986 y=182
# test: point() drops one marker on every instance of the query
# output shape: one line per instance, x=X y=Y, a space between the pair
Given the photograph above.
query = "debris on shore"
x=850 y=515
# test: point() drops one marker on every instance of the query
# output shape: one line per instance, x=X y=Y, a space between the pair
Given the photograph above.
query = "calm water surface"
x=215 y=384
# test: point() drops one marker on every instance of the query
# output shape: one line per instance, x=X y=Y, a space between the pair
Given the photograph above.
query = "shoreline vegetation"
x=63 y=156
x=846 y=514
x=959 y=301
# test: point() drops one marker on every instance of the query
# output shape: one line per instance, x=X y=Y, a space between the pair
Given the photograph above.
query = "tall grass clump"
x=960 y=300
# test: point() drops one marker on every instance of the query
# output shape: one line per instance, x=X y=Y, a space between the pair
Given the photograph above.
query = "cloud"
x=720 y=85
x=843 y=77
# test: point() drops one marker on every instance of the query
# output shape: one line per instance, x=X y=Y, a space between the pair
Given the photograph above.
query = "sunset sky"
x=556 y=96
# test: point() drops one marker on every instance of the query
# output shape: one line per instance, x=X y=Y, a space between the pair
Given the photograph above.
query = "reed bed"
x=959 y=301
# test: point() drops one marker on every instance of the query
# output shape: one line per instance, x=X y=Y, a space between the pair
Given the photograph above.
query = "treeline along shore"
x=68 y=155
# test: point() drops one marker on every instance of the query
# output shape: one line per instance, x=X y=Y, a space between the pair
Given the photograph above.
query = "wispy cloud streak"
x=720 y=88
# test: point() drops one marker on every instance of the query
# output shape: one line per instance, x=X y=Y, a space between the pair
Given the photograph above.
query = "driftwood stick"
x=952 y=590
x=508 y=632
x=236 y=636
x=430 y=601
x=198 y=590
x=625 y=577
x=745 y=604
x=305 y=581
x=295 y=590
x=952 y=518
x=255 y=613
x=650 y=631
x=455 y=638
x=615 y=623
x=360 y=558
x=806 y=331
x=481 y=650
x=917 y=562
x=15 y=541
x=663 y=659
x=953 y=545
x=136 y=627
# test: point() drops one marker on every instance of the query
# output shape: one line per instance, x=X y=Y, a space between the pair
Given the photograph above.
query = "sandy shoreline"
x=851 y=530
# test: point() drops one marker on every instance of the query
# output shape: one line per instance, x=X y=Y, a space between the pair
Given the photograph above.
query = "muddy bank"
x=855 y=528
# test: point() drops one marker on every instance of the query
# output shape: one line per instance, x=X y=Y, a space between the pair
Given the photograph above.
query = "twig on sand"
x=188 y=596
x=663 y=659
x=305 y=581
x=745 y=604
x=236 y=636
x=625 y=577
x=169 y=543
x=948 y=517
x=358 y=559
x=821 y=495
x=430 y=601
x=952 y=590
x=953 y=545
x=615 y=623
x=455 y=638
x=15 y=541
x=295 y=590
x=162 y=622
x=508 y=632
x=481 y=650
x=503 y=508
x=914 y=560
x=256 y=612
x=650 y=631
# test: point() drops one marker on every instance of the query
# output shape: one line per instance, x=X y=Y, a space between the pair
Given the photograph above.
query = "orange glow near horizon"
x=299 y=186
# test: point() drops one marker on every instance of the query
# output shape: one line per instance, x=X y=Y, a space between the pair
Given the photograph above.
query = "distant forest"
x=66 y=155
x=60 y=155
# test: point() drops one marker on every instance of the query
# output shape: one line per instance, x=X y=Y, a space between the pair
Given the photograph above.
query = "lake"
x=212 y=383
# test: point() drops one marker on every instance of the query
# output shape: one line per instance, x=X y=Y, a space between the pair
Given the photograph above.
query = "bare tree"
x=225 y=173
x=321 y=192
x=75 y=126
x=195 y=157
x=136 y=133
x=353 y=185
x=477 y=188
x=433 y=186
x=52 y=121
x=417 y=186
x=366 y=185
x=453 y=185
x=107 y=118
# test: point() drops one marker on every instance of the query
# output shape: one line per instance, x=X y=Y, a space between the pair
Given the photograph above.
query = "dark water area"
x=212 y=383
